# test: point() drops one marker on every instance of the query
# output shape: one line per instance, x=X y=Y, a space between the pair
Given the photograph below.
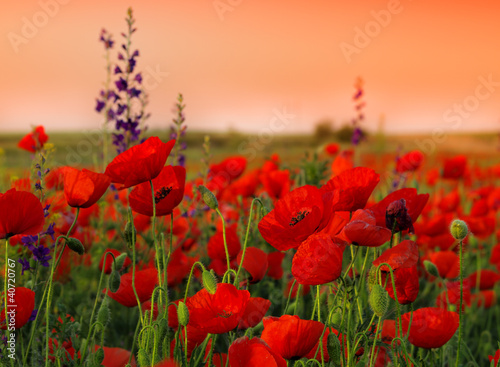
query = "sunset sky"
x=426 y=64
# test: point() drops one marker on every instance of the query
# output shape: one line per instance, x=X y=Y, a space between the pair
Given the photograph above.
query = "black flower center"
x=162 y=193
x=224 y=314
x=300 y=215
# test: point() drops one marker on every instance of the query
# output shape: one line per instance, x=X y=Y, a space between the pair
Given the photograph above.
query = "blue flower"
x=41 y=254
x=25 y=264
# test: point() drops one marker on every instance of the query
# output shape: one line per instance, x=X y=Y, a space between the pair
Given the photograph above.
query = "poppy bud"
x=209 y=281
x=99 y=356
x=119 y=261
x=379 y=300
x=142 y=358
x=372 y=278
x=333 y=347
x=336 y=319
x=130 y=234
x=75 y=245
x=182 y=314
x=103 y=315
x=162 y=329
x=431 y=268
x=459 y=229
x=397 y=216
x=114 y=281
x=264 y=210
x=208 y=197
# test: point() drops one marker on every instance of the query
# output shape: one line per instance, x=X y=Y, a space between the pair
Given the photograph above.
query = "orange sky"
x=237 y=68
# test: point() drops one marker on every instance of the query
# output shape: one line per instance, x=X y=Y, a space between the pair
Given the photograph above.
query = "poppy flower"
x=495 y=256
x=220 y=312
x=83 y=188
x=22 y=302
x=318 y=260
x=431 y=327
x=145 y=282
x=332 y=149
x=487 y=279
x=20 y=213
x=485 y=298
x=290 y=336
x=304 y=290
x=397 y=217
x=255 y=263
x=276 y=183
x=244 y=352
x=34 y=141
x=254 y=312
x=452 y=295
x=215 y=246
x=222 y=174
x=109 y=261
x=447 y=264
x=178 y=267
x=140 y=163
x=495 y=358
x=410 y=161
x=275 y=268
x=169 y=192
x=167 y=363
x=296 y=216
x=244 y=186
x=115 y=357
x=363 y=231
x=403 y=260
x=414 y=203
x=343 y=162
x=355 y=186
x=454 y=168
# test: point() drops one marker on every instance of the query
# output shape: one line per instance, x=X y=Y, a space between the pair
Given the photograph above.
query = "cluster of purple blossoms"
x=358 y=134
x=40 y=253
x=123 y=102
x=177 y=131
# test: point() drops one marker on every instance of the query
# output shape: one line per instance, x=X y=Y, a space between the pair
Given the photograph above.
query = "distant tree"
x=323 y=130
x=344 y=134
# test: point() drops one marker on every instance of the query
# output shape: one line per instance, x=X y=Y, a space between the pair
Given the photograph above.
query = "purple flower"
x=41 y=254
x=120 y=109
x=138 y=78
x=46 y=210
x=121 y=84
x=33 y=315
x=25 y=264
x=100 y=105
x=29 y=241
x=118 y=70
x=134 y=92
x=50 y=231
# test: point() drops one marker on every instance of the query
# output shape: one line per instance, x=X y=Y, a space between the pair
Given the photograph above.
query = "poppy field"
x=145 y=257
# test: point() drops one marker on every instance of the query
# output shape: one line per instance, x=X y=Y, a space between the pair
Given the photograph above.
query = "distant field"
x=82 y=149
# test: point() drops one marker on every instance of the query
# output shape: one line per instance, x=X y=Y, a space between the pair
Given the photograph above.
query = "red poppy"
x=296 y=216
x=431 y=327
x=139 y=164
x=244 y=186
x=145 y=282
x=222 y=174
x=332 y=149
x=215 y=246
x=446 y=263
x=178 y=267
x=167 y=363
x=414 y=202
x=20 y=213
x=452 y=295
x=109 y=260
x=275 y=268
x=495 y=256
x=403 y=260
x=169 y=192
x=304 y=290
x=290 y=336
x=22 y=302
x=34 y=141
x=254 y=312
x=218 y=359
x=495 y=358
x=115 y=357
x=410 y=161
x=276 y=183
x=355 y=186
x=486 y=298
x=343 y=162
x=83 y=188
x=244 y=352
x=454 y=168
x=318 y=260
x=363 y=231
x=255 y=263
x=487 y=279
x=220 y=312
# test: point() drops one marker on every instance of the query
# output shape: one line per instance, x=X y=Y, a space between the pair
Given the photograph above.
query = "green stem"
x=224 y=237
x=157 y=250
x=190 y=276
x=375 y=341
x=461 y=302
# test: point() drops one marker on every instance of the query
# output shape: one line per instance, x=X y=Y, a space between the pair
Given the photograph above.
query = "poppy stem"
x=297 y=299
x=224 y=238
x=375 y=341
x=157 y=249
x=461 y=302
x=289 y=296
x=133 y=270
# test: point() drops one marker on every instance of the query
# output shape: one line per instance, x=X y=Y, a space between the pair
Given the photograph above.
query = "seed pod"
x=130 y=234
x=459 y=229
x=142 y=358
x=182 y=314
x=75 y=245
x=209 y=281
x=431 y=268
x=208 y=197
x=103 y=315
x=333 y=347
x=114 y=281
x=379 y=300
x=119 y=261
x=99 y=356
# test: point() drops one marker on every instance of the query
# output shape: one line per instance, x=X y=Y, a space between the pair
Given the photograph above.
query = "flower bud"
x=75 y=245
x=372 y=278
x=209 y=281
x=130 y=234
x=119 y=261
x=459 y=229
x=431 y=268
x=99 y=356
x=114 y=281
x=379 y=300
x=336 y=319
x=333 y=347
x=208 y=197
x=142 y=358
x=103 y=315
x=397 y=217
x=182 y=314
